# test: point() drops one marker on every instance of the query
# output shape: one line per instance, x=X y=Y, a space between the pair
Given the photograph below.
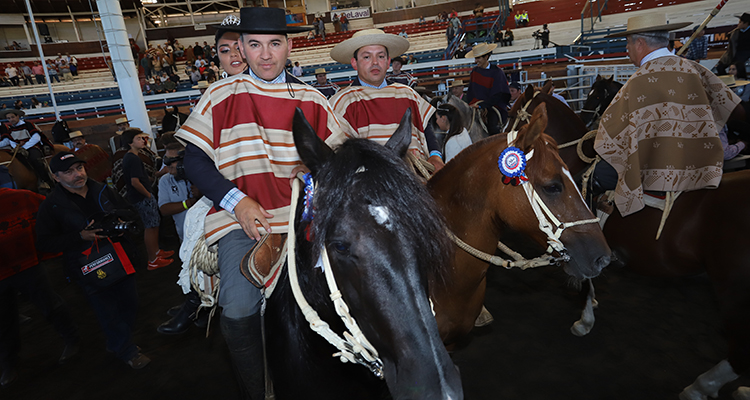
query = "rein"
x=354 y=346
x=15 y=151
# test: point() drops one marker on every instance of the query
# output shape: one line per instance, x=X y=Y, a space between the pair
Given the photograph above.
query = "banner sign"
x=354 y=13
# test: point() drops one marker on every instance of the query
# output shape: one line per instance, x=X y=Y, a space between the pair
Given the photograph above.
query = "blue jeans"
x=238 y=298
x=115 y=307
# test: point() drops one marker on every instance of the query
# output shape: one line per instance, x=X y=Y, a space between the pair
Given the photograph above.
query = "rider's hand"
x=247 y=212
x=295 y=171
x=437 y=162
x=89 y=234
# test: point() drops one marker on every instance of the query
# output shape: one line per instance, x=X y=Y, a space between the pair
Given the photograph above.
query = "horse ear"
x=548 y=87
x=534 y=129
x=598 y=78
x=611 y=78
x=401 y=139
x=529 y=93
x=312 y=150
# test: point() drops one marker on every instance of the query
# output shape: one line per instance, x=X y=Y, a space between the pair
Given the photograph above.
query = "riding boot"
x=243 y=337
x=181 y=322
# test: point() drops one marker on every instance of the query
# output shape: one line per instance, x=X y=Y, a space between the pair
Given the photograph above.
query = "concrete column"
x=123 y=63
x=75 y=26
x=28 y=37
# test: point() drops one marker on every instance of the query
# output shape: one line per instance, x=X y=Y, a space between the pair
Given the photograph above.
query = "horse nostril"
x=602 y=262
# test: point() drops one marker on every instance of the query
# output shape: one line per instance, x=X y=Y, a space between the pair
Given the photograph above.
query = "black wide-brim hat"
x=263 y=20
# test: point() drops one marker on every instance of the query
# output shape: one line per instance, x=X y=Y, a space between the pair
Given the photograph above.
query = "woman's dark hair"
x=128 y=135
x=454 y=118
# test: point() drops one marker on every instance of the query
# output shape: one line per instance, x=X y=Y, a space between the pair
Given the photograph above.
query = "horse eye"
x=340 y=247
x=553 y=188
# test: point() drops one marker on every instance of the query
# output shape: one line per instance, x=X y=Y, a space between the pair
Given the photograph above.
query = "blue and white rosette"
x=512 y=163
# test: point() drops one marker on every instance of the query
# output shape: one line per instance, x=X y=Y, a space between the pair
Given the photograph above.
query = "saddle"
x=262 y=263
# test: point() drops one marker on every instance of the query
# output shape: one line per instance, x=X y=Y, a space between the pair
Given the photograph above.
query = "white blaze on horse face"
x=567 y=173
x=382 y=216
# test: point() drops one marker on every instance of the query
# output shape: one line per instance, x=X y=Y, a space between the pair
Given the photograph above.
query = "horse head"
x=511 y=208
x=602 y=92
x=386 y=243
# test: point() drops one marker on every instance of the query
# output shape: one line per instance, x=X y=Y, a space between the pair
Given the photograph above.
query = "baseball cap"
x=62 y=161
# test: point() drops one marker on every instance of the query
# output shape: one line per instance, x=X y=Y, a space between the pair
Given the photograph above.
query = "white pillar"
x=123 y=63
x=41 y=57
x=28 y=37
x=75 y=26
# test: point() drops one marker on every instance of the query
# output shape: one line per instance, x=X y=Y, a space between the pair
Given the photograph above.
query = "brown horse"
x=23 y=175
x=480 y=210
x=704 y=233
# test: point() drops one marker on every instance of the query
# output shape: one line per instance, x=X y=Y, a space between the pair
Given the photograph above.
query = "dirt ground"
x=651 y=339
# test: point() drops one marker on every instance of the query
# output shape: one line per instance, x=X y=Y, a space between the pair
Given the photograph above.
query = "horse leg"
x=583 y=326
x=709 y=383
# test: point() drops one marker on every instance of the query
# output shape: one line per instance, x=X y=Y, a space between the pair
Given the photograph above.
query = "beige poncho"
x=661 y=130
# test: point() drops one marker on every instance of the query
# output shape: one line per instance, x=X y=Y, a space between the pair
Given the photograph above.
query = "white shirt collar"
x=365 y=84
x=663 y=52
x=279 y=79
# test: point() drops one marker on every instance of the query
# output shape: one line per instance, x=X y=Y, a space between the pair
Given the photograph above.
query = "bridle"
x=597 y=111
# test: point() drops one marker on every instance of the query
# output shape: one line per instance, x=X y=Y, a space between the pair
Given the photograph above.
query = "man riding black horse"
x=33 y=144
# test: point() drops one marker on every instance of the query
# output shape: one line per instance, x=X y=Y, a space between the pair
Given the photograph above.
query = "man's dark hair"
x=175 y=146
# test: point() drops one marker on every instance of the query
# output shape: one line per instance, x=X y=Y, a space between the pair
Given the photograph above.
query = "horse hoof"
x=484 y=318
x=742 y=393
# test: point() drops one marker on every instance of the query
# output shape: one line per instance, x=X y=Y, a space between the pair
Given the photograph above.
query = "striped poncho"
x=245 y=127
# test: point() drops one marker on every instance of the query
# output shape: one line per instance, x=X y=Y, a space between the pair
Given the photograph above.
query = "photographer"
x=176 y=196
x=541 y=35
x=66 y=223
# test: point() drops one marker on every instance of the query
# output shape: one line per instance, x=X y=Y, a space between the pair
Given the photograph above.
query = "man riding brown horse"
x=34 y=145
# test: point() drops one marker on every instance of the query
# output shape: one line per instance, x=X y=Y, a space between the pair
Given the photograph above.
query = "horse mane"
x=363 y=172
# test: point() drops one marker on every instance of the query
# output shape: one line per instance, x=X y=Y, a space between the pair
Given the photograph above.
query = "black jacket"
x=60 y=220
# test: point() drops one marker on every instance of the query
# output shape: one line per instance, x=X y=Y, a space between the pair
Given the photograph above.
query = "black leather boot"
x=181 y=322
x=243 y=337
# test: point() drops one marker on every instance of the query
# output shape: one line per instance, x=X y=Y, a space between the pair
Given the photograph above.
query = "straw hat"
x=75 y=134
x=201 y=85
x=651 y=22
x=122 y=120
x=731 y=82
x=320 y=71
x=480 y=50
x=344 y=51
x=457 y=83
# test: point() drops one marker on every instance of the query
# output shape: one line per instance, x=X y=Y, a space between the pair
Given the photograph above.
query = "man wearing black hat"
x=738 y=50
x=64 y=224
x=250 y=113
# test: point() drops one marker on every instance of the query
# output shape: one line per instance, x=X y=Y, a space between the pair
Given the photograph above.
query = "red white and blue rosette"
x=512 y=164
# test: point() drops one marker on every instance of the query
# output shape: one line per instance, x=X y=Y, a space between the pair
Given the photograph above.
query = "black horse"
x=387 y=244
x=602 y=92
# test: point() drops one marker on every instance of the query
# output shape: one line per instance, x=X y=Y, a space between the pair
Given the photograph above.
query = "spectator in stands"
x=168 y=61
x=288 y=65
x=134 y=49
x=457 y=88
x=197 y=50
x=297 y=70
x=518 y=18
x=12 y=73
x=453 y=14
x=195 y=76
x=38 y=71
x=35 y=103
x=738 y=50
x=157 y=64
x=206 y=49
x=363 y=104
x=403 y=33
x=214 y=68
x=174 y=78
x=336 y=23
x=169 y=86
x=200 y=62
x=411 y=59
x=488 y=88
x=73 y=65
x=157 y=86
x=310 y=35
x=698 y=49
x=65 y=70
x=189 y=55
x=456 y=23
x=344 y=23
x=27 y=74
x=461 y=51
x=525 y=18
x=421 y=20
x=508 y=38
x=53 y=72
x=213 y=58
x=179 y=49
x=397 y=75
x=76 y=137
x=323 y=85
x=146 y=64
x=148 y=86
x=316 y=26
x=322 y=29
x=18 y=105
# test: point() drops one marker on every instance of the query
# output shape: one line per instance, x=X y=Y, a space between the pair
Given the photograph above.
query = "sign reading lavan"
x=355 y=13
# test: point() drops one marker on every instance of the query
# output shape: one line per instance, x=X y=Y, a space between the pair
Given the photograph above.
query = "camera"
x=537 y=35
x=180 y=176
x=114 y=223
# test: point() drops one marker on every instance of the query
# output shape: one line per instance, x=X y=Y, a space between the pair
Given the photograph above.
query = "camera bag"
x=103 y=264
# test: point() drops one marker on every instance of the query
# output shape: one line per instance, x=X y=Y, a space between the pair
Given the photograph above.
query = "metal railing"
x=591 y=11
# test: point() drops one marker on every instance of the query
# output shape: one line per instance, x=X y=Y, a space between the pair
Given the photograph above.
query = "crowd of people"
x=65 y=65
x=250 y=195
